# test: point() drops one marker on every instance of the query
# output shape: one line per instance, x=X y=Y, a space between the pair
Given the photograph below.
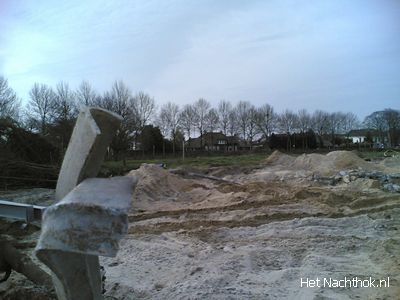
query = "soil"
x=254 y=234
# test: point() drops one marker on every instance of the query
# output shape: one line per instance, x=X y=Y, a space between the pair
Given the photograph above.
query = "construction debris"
x=256 y=234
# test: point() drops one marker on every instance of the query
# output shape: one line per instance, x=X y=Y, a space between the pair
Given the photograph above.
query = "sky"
x=333 y=55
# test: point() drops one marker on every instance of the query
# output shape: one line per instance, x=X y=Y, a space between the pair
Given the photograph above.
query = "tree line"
x=51 y=112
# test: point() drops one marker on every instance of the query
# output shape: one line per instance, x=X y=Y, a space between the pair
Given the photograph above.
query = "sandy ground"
x=257 y=234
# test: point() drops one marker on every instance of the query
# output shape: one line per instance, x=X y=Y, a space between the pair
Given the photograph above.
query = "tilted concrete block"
x=88 y=222
x=89 y=219
x=92 y=134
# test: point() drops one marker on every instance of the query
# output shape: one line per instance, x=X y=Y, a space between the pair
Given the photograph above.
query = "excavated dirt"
x=284 y=167
x=255 y=234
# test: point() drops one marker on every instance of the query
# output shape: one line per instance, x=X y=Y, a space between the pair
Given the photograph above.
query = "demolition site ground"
x=254 y=231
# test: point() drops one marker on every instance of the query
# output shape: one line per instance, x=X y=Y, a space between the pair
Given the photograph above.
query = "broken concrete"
x=93 y=132
x=88 y=220
x=91 y=219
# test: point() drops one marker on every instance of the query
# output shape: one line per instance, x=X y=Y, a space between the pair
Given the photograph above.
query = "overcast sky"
x=331 y=55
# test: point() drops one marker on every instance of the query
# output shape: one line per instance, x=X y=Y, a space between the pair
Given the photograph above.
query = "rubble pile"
x=332 y=168
x=387 y=182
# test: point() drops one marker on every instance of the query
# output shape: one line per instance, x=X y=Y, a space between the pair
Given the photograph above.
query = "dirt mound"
x=308 y=161
x=346 y=159
x=391 y=164
x=260 y=247
x=159 y=189
x=330 y=163
x=282 y=167
x=157 y=184
x=279 y=158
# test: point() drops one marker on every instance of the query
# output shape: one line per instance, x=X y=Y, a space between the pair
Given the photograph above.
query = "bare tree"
x=242 y=112
x=118 y=100
x=121 y=98
x=41 y=105
x=247 y=118
x=143 y=107
x=252 y=125
x=9 y=102
x=304 y=120
x=304 y=124
x=350 y=122
x=65 y=108
x=188 y=119
x=169 y=119
x=162 y=123
x=377 y=122
x=224 y=110
x=266 y=120
x=85 y=94
x=319 y=123
x=392 y=118
x=335 y=124
x=212 y=120
x=64 y=113
x=233 y=127
x=201 y=108
x=287 y=122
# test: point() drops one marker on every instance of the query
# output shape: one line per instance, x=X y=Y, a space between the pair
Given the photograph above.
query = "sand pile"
x=329 y=164
x=159 y=189
x=278 y=158
x=391 y=164
x=346 y=160
x=157 y=184
x=283 y=167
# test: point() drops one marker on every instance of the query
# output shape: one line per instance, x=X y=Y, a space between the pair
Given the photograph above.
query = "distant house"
x=361 y=135
x=213 y=141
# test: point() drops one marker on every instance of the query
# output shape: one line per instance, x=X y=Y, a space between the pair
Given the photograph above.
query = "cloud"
x=309 y=58
x=295 y=54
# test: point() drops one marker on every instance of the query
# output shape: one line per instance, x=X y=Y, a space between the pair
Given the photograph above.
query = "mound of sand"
x=280 y=166
x=346 y=159
x=391 y=164
x=159 y=189
x=278 y=158
x=329 y=164
x=157 y=184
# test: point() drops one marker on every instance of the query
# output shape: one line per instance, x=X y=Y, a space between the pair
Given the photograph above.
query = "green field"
x=376 y=155
x=205 y=162
x=201 y=162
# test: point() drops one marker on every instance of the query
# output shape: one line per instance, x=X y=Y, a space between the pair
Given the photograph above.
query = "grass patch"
x=200 y=162
x=204 y=162
x=371 y=155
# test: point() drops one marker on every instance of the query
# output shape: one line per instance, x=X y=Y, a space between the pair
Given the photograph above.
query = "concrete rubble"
x=387 y=182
